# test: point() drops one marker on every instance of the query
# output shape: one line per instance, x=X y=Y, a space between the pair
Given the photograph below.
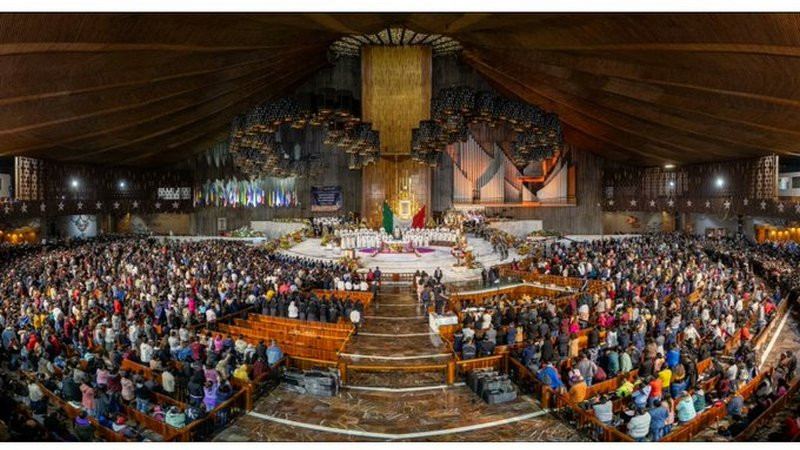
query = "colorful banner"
x=326 y=198
x=248 y=194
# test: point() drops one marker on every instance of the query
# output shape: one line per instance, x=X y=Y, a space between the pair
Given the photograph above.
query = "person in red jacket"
x=656 y=386
x=32 y=341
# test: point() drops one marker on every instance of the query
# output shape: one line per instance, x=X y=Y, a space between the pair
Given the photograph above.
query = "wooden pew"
x=299 y=326
x=333 y=329
x=72 y=412
x=764 y=418
x=365 y=297
x=313 y=340
x=291 y=348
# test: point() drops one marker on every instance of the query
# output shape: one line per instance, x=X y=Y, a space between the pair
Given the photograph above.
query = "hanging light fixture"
x=256 y=151
x=537 y=135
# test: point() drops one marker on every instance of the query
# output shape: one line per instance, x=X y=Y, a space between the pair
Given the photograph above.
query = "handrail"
x=205 y=324
x=382 y=368
x=773 y=409
x=185 y=432
x=321 y=362
x=106 y=433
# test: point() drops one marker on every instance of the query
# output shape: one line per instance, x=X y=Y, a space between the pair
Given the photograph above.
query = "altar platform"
x=427 y=260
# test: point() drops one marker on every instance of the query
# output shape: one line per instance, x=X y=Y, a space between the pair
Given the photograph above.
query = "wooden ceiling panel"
x=151 y=89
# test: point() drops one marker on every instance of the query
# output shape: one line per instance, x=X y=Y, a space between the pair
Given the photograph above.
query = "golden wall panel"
x=395 y=92
x=384 y=180
x=395 y=97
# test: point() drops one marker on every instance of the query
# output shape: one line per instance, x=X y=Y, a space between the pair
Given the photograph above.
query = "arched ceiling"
x=150 y=89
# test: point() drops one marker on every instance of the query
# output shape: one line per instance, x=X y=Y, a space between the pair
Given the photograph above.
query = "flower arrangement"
x=246 y=232
x=326 y=239
x=352 y=263
x=271 y=246
x=542 y=233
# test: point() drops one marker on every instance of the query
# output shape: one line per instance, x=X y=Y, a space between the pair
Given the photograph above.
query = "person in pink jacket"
x=127 y=388
x=87 y=398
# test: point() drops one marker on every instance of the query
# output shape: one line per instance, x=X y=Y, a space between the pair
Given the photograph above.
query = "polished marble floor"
x=389 y=406
x=357 y=415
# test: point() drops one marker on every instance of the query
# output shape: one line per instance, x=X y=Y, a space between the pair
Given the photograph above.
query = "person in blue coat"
x=549 y=375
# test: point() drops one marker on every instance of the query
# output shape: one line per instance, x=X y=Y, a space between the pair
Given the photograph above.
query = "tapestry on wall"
x=326 y=198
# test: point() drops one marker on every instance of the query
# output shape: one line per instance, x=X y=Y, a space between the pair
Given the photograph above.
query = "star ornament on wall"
x=727 y=204
x=158 y=205
x=80 y=205
x=42 y=207
x=671 y=203
x=652 y=203
x=611 y=202
x=689 y=203
x=116 y=205
x=7 y=209
x=763 y=205
x=780 y=207
x=175 y=205
x=797 y=208
x=98 y=205
x=633 y=202
x=135 y=204
x=24 y=207
x=60 y=206
x=708 y=204
x=746 y=202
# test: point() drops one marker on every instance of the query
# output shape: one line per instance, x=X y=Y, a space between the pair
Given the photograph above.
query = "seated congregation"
x=673 y=330
x=124 y=339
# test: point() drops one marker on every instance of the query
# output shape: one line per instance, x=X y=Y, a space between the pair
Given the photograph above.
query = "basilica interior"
x=382 y=227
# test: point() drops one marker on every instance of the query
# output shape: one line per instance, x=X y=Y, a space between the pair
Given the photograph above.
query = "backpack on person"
x=600 y=375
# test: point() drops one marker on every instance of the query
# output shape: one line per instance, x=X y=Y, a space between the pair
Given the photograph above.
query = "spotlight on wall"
x=720 y=182
x=74 y=183
x=122 y=184
x=671 y=184
x=669 y=166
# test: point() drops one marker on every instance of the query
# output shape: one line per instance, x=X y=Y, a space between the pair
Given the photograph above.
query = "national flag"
x=388 y=218
x=418 y=221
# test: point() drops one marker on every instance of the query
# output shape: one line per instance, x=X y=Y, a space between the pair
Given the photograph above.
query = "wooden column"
x=451 y=372
x=343 y=372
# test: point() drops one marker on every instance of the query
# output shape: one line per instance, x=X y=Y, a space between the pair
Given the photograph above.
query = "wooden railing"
x=766 y=334
x=298 y=335
x=585 y=421
x=258 y=386
x=223 y=319
x=685 y=432
x=303 y=363
x=202 y=429
x=497 y=362
x=297 y=346
x=106 y=434
x=151 y=423
x=366 y=297
x=764 y=418
x=528 y=381
x=321 y=328
x=513 y=291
